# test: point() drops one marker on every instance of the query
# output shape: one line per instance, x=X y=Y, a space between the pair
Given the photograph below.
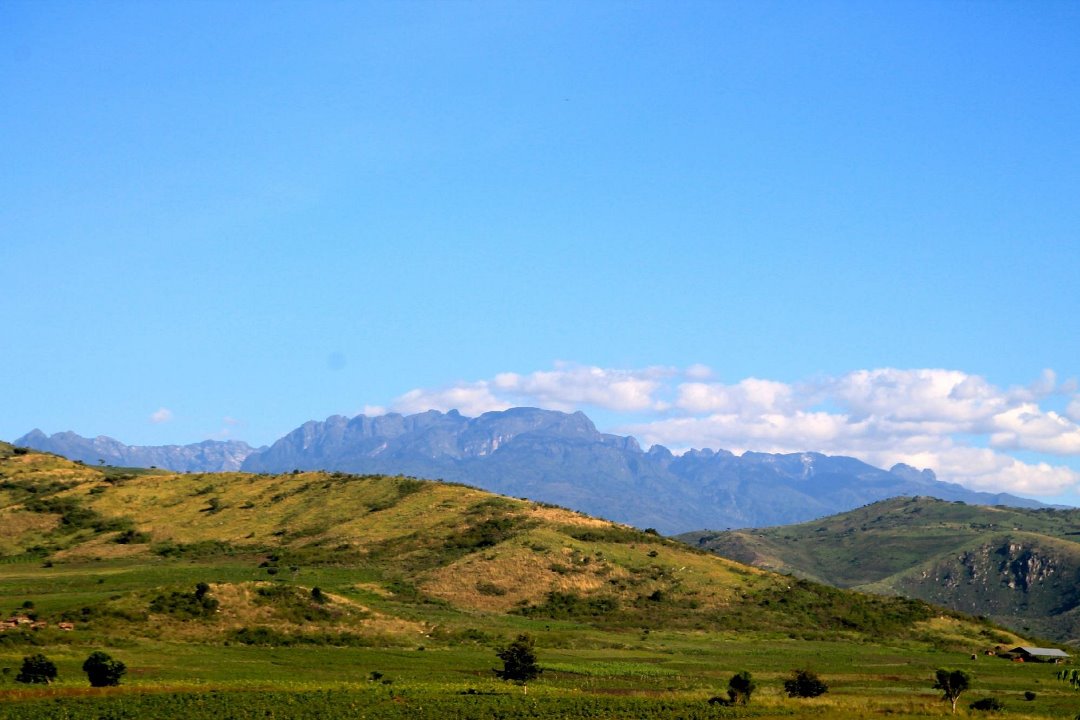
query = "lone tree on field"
x=805 y=684
x=519 y=662
x=102 y=670
x=36 y=669
x=740 y=687
x=951 y=683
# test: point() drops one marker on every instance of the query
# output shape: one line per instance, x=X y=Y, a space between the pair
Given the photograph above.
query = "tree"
x=102 y=670
x=805 y=684
x=36 y=669
x=519 y=662
x=740 y=687
x=951 y=683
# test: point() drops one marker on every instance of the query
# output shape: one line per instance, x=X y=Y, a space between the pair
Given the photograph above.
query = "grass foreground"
x=314 y=595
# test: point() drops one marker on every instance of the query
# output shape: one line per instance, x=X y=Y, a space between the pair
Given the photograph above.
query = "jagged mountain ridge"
x=206 y=456
x=562 y=458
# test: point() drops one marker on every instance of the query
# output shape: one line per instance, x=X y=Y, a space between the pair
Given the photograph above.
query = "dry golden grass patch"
x=52 y=467
x=417 y=513
x=564 y=517
x=519 y=572
x=240 y=606
x=374 y=589
x=15 y=522
x=960 y=632
x=102 y=547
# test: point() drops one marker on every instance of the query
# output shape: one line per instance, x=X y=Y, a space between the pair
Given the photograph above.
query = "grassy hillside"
x=395 y=592
x=1020 y=567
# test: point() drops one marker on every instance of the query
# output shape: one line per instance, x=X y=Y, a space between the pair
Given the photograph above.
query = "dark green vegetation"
x=1019 y=567
x=102 y=670
x=740 y=688
x=805 y=684
x=36 y=669
x=334 y=596
x=519 y=661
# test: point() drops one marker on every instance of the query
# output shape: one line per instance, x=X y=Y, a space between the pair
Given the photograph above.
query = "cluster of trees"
x=520 y=666
x=101 y=670
x=801 y=684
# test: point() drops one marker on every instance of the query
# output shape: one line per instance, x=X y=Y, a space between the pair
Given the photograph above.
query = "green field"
x=335 y=596
x=669 y=675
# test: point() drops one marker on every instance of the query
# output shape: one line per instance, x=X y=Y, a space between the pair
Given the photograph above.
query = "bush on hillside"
x=805 y=684
x=36 y=669
x=102 y=671
x=186 y=606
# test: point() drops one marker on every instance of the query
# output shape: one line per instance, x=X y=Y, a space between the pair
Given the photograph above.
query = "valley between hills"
x=329 y=594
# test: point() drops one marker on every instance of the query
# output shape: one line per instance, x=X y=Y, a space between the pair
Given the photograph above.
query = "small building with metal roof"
x=1036 y=654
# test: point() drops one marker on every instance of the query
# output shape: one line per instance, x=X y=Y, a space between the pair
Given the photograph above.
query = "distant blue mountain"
x=558 y=458
x=207 y=456
x=561 y=458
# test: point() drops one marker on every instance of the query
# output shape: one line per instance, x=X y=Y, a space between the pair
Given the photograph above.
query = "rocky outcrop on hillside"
x=1015 y=575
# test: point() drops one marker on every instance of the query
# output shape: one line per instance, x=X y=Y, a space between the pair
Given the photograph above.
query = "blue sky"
x=848 y=227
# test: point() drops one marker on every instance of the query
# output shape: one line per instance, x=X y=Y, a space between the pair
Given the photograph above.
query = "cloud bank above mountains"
x=962 y=426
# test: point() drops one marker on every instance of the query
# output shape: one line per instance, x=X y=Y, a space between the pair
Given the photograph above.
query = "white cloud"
x=924 y=395
x=960 y=425
x=698 y=372
x=1073 y=410
x=467 y=398
x=749 y=396
x=1045 y=385
x=985 y=469
x=567 y=387
x=571 y=386
x=161 y=415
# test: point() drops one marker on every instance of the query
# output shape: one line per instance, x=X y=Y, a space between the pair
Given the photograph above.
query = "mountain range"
x=558 y=458
x=206 y=456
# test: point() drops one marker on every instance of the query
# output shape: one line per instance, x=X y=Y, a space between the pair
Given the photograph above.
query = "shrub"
x=740 y=687
x=187 y=606
x=565 y=605
x=132 y=536
x=519 y=662
x=36 y=669
x=1029 y=696
x=488 y=588
x=102 y=670
x=805 y=684
x=988 y=704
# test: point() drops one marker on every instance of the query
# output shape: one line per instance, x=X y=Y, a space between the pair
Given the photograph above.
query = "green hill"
x=386 y=546
x=239 y=595
x=1019 y=567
